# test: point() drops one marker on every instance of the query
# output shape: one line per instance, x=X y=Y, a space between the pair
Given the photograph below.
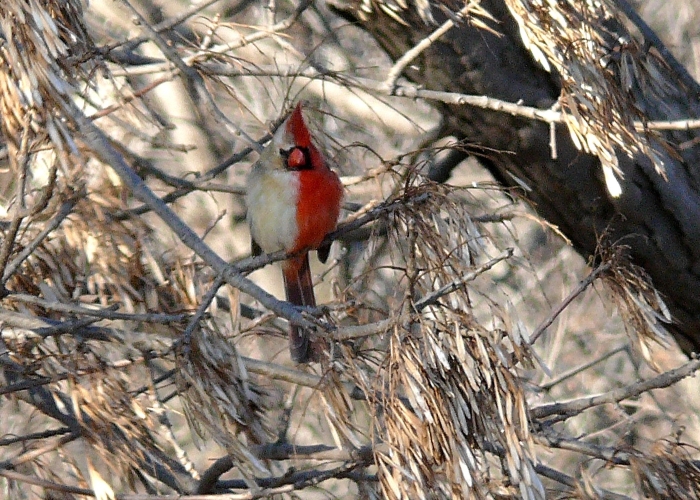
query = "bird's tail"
x=300 y=292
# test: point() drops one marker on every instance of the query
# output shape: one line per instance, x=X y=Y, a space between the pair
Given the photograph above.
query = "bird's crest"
x=297 y=127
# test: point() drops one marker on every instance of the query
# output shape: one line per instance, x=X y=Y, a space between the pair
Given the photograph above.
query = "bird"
x=293 y=200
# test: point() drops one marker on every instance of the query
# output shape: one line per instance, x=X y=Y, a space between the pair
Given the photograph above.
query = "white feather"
x=272 y=201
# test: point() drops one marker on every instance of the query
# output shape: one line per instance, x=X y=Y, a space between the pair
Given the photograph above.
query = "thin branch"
x=386 y=207
x=400 y=90
x=189 y=186
x=49 y=485
x=154 y=36
x=576 y=406
x=34 y=326
x=433 y=297
x=6 y=249
x=287 y=451
x=274 y=371
x=35 y=435
x=199 y=314
x=38 y=381
x=283 y=451
x=367 y=330
x=77 y=328
x=575 y=371
x=106 y=313
x=175 y=20
x=134 y=95
x=62 y=213
x=565 y=303
x=37 y=452
x=32 y=383
x=194 y=83
x=278 y=372
x=571 y=482
x=578 y=445
x=290 y=482
x=407 y=90
x=556 y=475
x=415 y=51
x=201 y=56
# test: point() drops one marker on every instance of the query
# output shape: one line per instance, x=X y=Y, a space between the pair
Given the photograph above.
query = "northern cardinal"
x=293 y=201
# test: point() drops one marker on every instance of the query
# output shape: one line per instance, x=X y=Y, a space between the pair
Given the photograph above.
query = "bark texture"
x=657 y=218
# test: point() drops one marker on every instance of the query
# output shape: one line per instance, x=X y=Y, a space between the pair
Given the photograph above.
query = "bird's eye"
x=296 y=158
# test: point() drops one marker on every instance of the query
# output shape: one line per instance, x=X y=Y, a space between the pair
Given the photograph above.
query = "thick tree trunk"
x=657 y=219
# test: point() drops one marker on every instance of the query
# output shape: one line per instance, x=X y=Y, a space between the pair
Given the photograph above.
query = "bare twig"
x=285 y=451
x=104 y=313
x=35 y=435
x=199 y=314
x=564 y=304
x=37 y=452
x=360 y=331
x=186 y=71
x=571 y=482
x=49 y=485
x=405 y=89
x=579 y=369
x=278 y=372
x=611 y=455
x=415 y=51
x=22 y=165
x=193 y=80
x=279 y=451
x=175 y=20
x=42 y=327
x=433 y=297
x=575 y=406
x=62 y=213
x=186 y=187
x=200 y=57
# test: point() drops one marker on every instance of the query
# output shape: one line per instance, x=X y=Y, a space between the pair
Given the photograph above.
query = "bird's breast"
x=272 y=205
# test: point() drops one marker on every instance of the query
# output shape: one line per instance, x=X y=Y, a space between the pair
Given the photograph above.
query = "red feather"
x=297 y=127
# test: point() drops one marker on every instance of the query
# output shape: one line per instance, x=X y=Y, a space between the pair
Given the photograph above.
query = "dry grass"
x=466 y=353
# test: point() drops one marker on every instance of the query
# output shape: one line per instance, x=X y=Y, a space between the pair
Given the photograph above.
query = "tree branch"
x=576 y=406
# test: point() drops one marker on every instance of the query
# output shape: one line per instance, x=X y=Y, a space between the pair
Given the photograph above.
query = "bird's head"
x=292 y=147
